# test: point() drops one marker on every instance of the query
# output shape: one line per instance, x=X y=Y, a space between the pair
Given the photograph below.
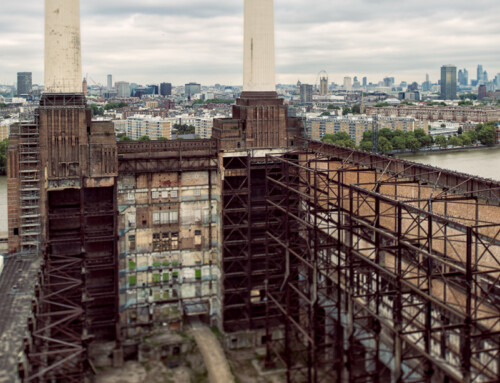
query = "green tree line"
x=389 y=140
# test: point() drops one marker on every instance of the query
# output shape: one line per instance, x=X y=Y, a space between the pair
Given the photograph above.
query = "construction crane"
x=100 y=86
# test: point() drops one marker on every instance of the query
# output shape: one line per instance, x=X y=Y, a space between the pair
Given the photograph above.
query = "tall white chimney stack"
x=258 y=58
x=63 y=61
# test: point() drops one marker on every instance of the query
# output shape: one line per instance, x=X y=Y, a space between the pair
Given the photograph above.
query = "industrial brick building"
x=348 y=266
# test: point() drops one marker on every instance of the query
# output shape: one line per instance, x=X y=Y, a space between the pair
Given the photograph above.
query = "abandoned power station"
x=348 y=266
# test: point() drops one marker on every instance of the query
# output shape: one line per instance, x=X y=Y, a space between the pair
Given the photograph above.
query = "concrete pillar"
x=63 y=63
x=258 y=57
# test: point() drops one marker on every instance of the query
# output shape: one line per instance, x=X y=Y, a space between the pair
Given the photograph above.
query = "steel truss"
x=385 y=276
x=77 y=294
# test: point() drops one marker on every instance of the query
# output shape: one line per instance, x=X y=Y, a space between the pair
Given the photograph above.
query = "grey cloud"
x=161 y=40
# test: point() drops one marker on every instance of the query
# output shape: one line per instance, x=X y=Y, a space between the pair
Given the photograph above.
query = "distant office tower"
x=479 y=73
x=389 y=81
x=364 y=81
x=155 y=89
x=122 y=89
x=110 y=81
x=192 y=88
x=166 y=89
x=448 y=82
x=481 y=92
x=498 y=81
x=460 y=77
x=306 y=92
x=485 y=77
x=466 y=77
x=24 y=84
x=323 y=88
x=426 y=86
x=347 y=83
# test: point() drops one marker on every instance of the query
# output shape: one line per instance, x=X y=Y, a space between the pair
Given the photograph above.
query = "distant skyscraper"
x=24 y=84
x=479 y=73
x=122 y=89
x=448 y=82
x=306 y=92
x=166 y=89
x=460 y=77
x=388 y=81
x=323 y=88
x=364 y=81
x=110 y=81
x=466 y=77
x=481 y=92
x=192 y=88
x=498 y=81
x=347 y=83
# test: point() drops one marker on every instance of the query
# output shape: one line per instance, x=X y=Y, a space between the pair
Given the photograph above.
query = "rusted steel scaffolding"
x=244 y=257
x=389 y=270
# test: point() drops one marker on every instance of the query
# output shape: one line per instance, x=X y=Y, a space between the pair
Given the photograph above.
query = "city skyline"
x=201 y=41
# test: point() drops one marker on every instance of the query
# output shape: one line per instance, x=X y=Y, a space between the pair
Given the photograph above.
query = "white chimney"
x=63 y=62
x=258 y=57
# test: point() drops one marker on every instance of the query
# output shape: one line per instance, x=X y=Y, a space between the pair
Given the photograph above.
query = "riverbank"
x=478 y=161
x=441 y=150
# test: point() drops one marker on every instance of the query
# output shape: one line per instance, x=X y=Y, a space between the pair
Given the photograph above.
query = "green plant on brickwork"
x=165 y=263
x=131 y=265
x=165 y=277
x=156 y=264
x=175 y=263
x=132 y=280
x=197 y=274
x=156 y=278
x=175 y=274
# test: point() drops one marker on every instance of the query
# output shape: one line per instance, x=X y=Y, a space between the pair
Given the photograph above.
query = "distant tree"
x=366 y=143
x=466 y=141
x=382 y=104
x=332 y=107
x=425 y=140
x=487 y=135
x=443 y=125
x=356 y=109
x=384 y=145
x=162 y=139
x=184 y=129
x=413 y=144
x=2 y=105
x=340 y=138
x=4 y=146
x=441 y=141
x=472 y=134
x=460 y=130
x=96 y=110
x=465 y=103
x=125 y=138
x=455 y=141
x=325 y=114
x=144 y=138
x=399 y=142
x=386 y=133
x=346 y=110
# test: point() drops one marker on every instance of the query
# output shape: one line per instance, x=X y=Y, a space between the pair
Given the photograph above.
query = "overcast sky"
x=152 y=41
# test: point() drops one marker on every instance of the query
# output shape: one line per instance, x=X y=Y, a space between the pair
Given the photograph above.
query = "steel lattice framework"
x=388 y=269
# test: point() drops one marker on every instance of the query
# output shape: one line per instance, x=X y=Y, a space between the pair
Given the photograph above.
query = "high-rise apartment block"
x=122 y=89
x=448 y=82
x=348 y=84
x=110 y=81
x=24 y=83
x=166 y=89
x=191 y=89
x=306 y=93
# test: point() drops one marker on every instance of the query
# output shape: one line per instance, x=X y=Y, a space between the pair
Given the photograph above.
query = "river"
x=479 y=162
